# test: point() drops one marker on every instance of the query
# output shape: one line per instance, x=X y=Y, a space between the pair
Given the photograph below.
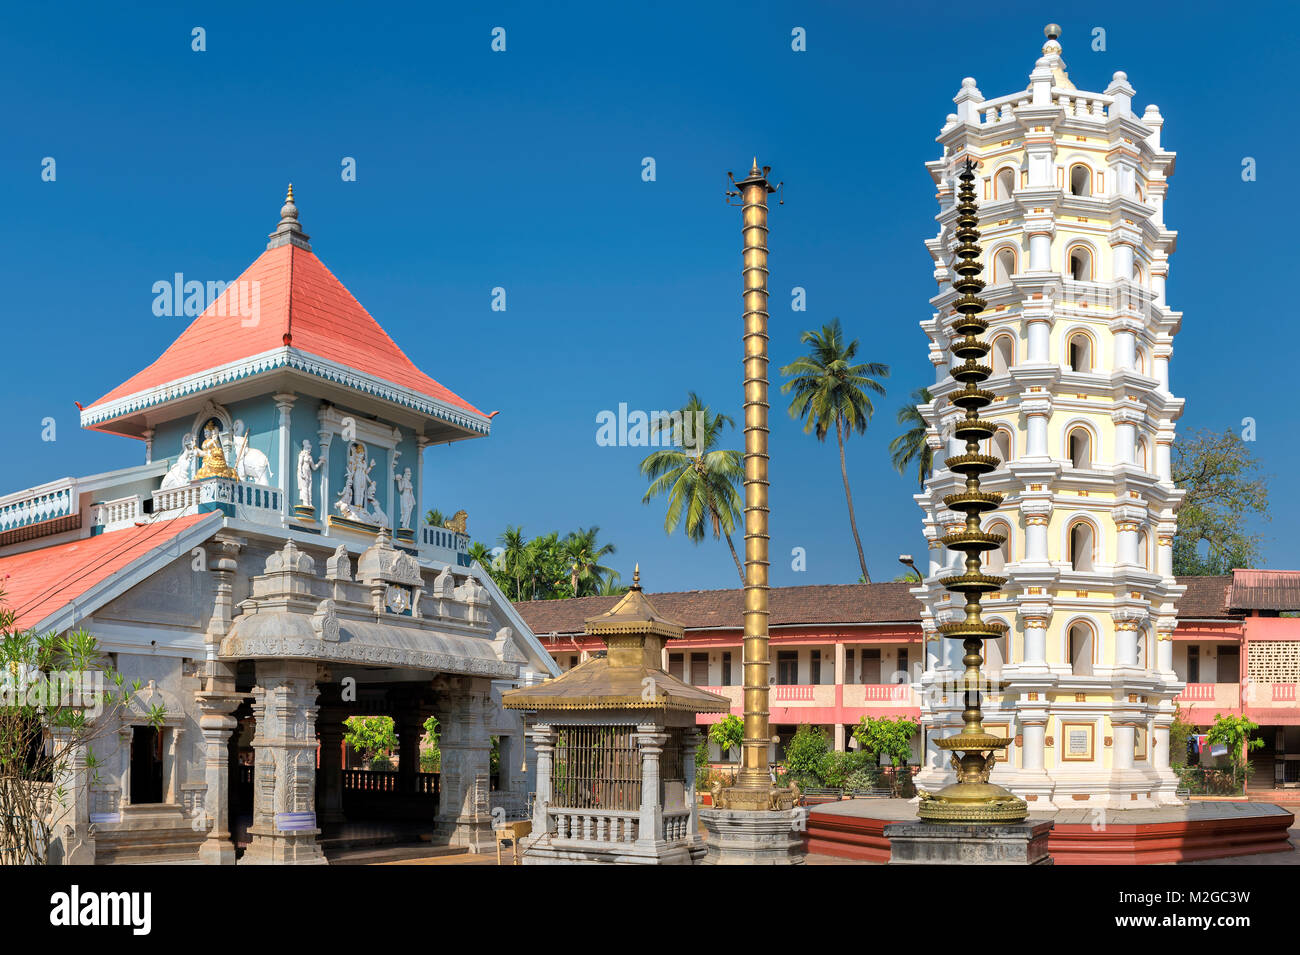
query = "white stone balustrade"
x=594 y=825
x=43 y=503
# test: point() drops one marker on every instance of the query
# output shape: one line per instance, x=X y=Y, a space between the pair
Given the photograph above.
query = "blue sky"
x=522 y=170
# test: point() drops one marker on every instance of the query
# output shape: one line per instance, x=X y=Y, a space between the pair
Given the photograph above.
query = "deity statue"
x=358 y=499
x=406 y=496
x=306 y=465
x=250 y=464
x=214 y=455
x=182 y=472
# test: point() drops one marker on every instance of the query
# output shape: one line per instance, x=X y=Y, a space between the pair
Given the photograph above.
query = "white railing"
x=1076 y=103
x=176 y=498
x=610 y=826
x=119 y=512
x=255 y=502
x=442 y=537
x=56 y=499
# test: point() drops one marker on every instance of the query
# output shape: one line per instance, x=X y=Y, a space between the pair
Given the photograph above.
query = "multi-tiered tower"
x=1075 y=254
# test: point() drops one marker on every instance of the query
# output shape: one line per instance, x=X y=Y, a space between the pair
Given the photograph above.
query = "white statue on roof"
x=306 y=464
x=182 y=471
x=358 y=501
x=250 y=464
x=406 y=496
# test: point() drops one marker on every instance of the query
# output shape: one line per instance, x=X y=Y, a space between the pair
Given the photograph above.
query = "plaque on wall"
x=1077 y=740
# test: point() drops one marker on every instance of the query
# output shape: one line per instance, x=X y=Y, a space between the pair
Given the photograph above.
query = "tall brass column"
x=753 y=788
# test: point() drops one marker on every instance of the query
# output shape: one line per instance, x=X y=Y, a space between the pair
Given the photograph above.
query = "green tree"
x=911 y=446
x=58 y=696
x=434 y=518
x=483 y=554
x=804 y=754
x=830 y=390
x=700 y=480
x=1223 y=486
x=514 y=556
x=584 y=554
x=1234 y=733
x=610 y=586
x=372 y=737
x=728 y=733
x=430 y=752
x=889 y=737
x=545 y=568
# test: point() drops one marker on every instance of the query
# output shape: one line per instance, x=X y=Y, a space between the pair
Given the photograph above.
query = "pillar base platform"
x=754 y=837
x=950 y=843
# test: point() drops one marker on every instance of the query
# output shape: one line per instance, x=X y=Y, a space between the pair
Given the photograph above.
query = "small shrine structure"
x=615 y=739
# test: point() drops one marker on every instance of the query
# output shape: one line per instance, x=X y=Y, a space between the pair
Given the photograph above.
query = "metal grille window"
x=596 y=767
x=670 y=761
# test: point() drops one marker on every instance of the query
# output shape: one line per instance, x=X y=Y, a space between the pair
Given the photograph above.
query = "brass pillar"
x=753 y=788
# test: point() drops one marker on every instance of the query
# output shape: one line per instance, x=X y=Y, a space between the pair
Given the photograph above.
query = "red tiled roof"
x=1265 y=590
x=814 y=604
x=36 y=583
x=699 y=609
x=1205 y=597
x=298 y=297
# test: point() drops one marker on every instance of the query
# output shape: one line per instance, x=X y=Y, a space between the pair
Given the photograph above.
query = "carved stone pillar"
x=409 y=732
x=543 y=738
x=329 y=808
x=466 y=760
x=651 y=740
x=284 y=827
x=216 y=723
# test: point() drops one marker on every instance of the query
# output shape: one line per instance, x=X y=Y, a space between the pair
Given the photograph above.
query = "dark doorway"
x=146 y=765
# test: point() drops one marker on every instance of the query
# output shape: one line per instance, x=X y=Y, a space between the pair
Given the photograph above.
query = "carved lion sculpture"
x=458 y=522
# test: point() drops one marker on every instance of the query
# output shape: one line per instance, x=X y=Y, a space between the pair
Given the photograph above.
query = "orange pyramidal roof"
x=286 y=302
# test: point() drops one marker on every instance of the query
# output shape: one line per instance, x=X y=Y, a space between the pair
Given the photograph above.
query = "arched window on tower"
x=1080 y=261
x=1141 y=362
x=1144 y=550
x=1081 y=648
x=1004 y=354
x=1006 y=183
x=1079 y=447
x=1080 y=180
x=1140 y=454
x=995 y=655
x=1003 y=446
x=1081 y=546
x=1079 y=352
x=1004 y=266
x=995 y=561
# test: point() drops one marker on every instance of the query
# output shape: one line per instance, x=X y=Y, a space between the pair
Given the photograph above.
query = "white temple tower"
x=1076 y=254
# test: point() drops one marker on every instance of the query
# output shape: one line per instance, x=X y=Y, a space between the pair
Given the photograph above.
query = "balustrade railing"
x=56 y=499
x=676 y=826
x=118 y=512
x=610 y=826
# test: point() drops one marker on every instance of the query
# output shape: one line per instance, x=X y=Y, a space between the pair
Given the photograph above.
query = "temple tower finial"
x=289 y=231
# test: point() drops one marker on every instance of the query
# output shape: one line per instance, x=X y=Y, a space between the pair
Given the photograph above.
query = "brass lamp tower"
x=753 y=789
x=972 y=799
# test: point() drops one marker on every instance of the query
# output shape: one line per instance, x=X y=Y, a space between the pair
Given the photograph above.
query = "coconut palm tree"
x=482 y=553
x=610 y=587
x=700 y=480
x=584 y=555
x=831 y=391
x=514 y=556
x=911 y=444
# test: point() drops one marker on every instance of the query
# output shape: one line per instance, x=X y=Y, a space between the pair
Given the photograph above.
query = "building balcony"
x=872 y=695
x=1210 y=696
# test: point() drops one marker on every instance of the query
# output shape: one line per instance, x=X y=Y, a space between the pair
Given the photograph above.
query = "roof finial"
x=289 y=232
x=636 y=576
x=1052 y=31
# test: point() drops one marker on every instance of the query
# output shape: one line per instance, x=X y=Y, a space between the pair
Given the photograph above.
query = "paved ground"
x=424 y=854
